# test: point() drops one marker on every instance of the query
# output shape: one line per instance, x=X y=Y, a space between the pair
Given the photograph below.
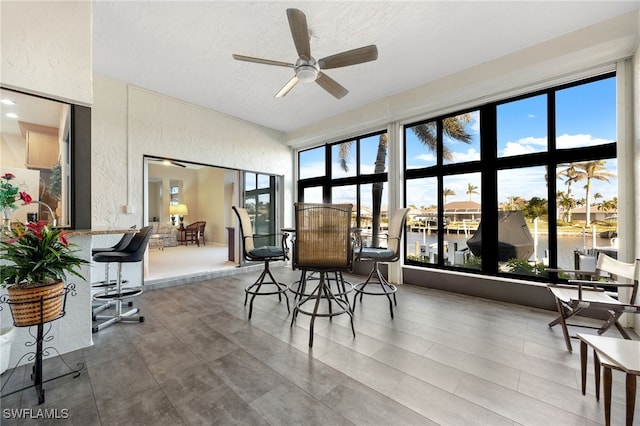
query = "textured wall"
x=46 y=48
x=129 y=122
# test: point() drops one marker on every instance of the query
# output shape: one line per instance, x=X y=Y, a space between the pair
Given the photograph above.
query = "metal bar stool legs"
x=116 y=296
x=254 y=289
x=323 y=291
x=374 y=280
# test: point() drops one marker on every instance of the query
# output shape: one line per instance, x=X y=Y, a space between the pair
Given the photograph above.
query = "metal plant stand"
x=40 y=338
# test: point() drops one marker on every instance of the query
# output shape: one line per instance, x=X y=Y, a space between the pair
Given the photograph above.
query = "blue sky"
x=585 y=116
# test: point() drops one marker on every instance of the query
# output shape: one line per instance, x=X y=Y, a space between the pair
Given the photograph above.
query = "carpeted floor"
x=187 y=260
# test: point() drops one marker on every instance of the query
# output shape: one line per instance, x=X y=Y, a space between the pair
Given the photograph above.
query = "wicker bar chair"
x=323 y=244
x=264 y=254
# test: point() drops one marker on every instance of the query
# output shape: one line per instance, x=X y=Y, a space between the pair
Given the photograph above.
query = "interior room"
x=164 y=114
x=180 y=194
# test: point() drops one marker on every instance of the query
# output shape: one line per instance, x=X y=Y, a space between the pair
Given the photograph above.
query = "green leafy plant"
x=55 y=181
x=39 y=255
x=523 y=267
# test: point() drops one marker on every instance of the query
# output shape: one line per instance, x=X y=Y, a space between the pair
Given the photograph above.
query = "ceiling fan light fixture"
x=307 y=73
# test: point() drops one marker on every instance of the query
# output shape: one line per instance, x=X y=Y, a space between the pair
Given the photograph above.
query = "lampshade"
x=181 y=210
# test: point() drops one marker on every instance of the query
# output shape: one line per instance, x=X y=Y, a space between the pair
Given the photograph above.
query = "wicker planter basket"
x=26 y=303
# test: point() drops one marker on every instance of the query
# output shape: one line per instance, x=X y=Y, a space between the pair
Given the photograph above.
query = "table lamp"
x=173 y=211
x=181 y=211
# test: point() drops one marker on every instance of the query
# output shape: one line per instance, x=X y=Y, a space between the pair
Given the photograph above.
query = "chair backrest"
x=396 y=226
x=201 y=226
x=246 y=229
x=138 y=245
x=617 y=270
x=323 y=237
x=124 y=241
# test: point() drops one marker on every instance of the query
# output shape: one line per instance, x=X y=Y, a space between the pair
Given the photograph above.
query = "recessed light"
x=7 y=102
x=11 y=115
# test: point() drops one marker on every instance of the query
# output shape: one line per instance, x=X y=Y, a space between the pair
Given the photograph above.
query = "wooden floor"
x=445 y=359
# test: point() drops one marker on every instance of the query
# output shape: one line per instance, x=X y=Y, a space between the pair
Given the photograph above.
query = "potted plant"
x=39 y=258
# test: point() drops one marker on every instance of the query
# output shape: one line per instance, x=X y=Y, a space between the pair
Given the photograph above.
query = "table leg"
x=596 y=372
x=583 y=365
x=631 y=397
x=607 y=395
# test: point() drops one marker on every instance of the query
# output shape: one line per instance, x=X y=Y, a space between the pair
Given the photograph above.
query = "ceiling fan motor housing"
x=307 y=70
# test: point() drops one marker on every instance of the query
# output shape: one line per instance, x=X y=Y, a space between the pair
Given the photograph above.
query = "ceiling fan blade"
x=261 y=61
x=287 y=87
x=300 y=32
x=331 y=86
x=167 y=162
x=350 y=57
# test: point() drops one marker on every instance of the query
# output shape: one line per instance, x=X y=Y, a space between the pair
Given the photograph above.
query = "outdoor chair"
x=323 y=245
x=578 y=295
x=388 y=251
x=264 y=254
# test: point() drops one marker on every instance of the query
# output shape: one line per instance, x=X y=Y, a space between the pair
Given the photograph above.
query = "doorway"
x=205 y=193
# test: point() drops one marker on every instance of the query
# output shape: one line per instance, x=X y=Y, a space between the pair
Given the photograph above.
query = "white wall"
x=46 y=48
x=211 y=205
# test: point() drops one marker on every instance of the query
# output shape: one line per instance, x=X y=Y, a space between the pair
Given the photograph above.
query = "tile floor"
x=445 y=359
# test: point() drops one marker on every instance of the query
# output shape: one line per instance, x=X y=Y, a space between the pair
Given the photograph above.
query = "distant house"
x=462 y=210
x=580 y=214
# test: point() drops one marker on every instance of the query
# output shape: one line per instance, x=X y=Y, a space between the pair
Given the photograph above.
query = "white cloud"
x=580 y=140
x=524 y=146
x=531 y=116
x=428 y=158
x=470 y=155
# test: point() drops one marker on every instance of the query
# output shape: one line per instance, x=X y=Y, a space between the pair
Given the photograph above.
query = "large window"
x=515 y=186
x=351 y=171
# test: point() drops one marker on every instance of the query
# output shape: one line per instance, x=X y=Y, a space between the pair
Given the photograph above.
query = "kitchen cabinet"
x=42 y=150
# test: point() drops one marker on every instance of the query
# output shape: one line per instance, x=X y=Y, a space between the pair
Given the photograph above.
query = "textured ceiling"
x=183 y=49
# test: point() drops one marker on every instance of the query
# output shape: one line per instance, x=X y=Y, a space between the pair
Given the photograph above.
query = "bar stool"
x=106 y=283
x=133 y=252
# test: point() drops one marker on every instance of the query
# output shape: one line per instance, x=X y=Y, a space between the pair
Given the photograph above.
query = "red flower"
x=8 y=176
x=37 y=227
x=25 y=197
x=63 y=239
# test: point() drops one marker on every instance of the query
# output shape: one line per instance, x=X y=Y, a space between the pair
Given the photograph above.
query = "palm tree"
x=471 y=189
x=567 y=203
x=610 y=204
x=454 y=127
x=569 y=172
x=588 y=171
x=447 y=192
x=597 y=196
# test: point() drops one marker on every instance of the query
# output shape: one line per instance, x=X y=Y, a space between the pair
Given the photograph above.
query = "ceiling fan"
x=167 y=161
x=306 y=68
